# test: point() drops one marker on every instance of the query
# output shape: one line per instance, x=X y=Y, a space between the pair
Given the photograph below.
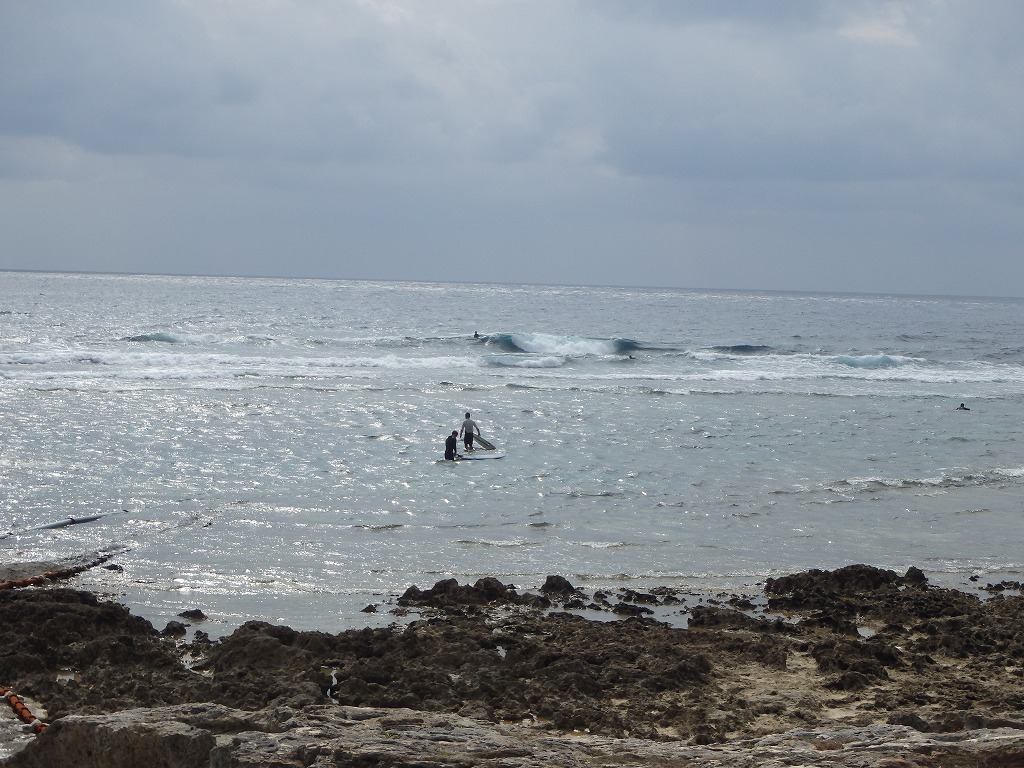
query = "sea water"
x=271 y=448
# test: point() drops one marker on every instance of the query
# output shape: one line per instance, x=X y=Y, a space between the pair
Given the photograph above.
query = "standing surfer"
x=469 y=427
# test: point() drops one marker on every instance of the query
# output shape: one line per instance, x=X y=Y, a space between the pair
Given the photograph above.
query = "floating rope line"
x=21 y=710
x=70 y=520
x=63 y=573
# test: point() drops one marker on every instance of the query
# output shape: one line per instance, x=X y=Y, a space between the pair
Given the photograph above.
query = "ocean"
x=271 y=448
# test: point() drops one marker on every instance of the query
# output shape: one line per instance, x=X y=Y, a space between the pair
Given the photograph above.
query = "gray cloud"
x=814 y=145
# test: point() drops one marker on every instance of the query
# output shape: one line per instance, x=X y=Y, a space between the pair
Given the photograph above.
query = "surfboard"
x=483 y=443
x=481 y=455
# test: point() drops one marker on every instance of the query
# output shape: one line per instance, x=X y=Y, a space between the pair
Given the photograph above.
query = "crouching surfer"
x=450 y=445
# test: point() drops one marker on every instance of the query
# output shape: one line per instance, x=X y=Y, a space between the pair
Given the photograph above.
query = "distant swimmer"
x=476 y=334
x=963 y=407
x=450 y=444
x=469 y=428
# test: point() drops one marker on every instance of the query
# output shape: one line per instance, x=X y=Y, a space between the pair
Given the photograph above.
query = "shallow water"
x=269 y=448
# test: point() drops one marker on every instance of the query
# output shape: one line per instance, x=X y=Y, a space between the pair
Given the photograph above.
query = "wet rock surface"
x=829 y=653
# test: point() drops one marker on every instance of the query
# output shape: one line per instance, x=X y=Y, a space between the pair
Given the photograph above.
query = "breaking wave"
x=570 y=346
x=165 y=338
x=874 y=361
x=743 y=349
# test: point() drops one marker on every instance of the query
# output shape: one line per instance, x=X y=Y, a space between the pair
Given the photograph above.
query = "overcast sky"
x=854 y=145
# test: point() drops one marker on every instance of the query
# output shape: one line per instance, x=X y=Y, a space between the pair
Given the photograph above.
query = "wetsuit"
x=450 y=444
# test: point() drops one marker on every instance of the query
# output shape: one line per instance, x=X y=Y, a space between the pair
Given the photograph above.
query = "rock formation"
x=850 y=667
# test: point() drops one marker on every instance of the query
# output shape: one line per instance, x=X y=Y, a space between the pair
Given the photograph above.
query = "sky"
x=805 y=145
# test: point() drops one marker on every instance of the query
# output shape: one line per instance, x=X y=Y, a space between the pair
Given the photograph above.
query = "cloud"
x=691 y=143
x=711 y=93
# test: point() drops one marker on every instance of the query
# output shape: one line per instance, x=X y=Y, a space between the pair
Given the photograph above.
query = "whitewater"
x=270 y=448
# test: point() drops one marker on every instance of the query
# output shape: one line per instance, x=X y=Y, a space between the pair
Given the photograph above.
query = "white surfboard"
x=481 y=455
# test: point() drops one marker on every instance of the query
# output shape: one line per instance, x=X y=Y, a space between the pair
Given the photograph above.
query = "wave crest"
x=880 y=360
x=570 y=346
x=743 y=349
x=158 y=336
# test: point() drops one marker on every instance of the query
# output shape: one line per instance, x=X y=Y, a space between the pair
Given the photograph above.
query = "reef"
x=857 y=666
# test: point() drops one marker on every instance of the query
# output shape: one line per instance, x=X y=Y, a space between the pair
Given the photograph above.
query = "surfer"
x=476 y=334
x=469 y=427
x=963 y=407
x=450 y=444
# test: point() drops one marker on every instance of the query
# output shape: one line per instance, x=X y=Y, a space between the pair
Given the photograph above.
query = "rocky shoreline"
x=855 y=667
